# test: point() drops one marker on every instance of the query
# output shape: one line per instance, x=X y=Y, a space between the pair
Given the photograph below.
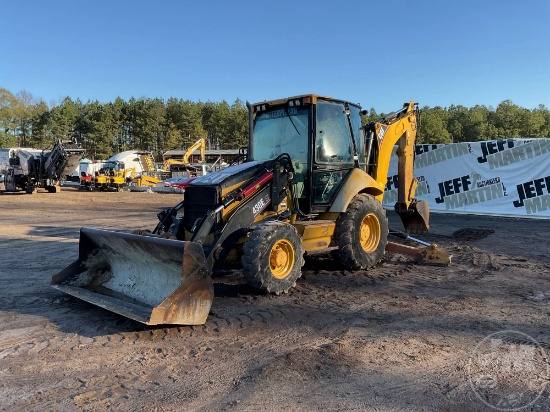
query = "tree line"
x=160 y=125
x=105 y=129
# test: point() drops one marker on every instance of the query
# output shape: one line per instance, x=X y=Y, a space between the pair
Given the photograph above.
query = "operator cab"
x=323 y=137
x=110 y=167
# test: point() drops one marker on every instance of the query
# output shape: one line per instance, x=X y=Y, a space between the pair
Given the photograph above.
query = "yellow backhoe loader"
x=313 y=181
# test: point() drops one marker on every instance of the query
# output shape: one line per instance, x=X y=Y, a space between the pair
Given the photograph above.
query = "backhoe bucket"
x=416 y=218
x=148 y=279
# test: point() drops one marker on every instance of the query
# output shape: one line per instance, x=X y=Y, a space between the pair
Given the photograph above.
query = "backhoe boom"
x=400 y=128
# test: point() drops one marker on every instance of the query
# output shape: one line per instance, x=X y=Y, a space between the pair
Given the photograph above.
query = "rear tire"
x=273 y=257
x=362 y=233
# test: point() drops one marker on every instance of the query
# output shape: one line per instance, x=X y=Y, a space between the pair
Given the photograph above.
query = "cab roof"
x=313 y=97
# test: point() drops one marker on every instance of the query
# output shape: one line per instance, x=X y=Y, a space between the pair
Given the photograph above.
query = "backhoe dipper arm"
x=400 y=128
x=397 y=128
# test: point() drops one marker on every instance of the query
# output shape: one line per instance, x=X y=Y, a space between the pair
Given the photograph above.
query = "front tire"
x=273 y=257
x=362 y=233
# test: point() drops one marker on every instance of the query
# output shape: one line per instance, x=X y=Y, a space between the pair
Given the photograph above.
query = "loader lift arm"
x=265 y=191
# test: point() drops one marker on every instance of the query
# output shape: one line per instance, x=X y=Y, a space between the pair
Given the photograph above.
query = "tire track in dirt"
x=16 y=340
x=338 y=341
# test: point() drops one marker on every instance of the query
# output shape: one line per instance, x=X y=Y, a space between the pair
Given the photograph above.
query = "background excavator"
x=152 y=179
x=313 y=181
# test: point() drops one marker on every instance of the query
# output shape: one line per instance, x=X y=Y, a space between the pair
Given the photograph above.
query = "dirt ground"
x=399 y=337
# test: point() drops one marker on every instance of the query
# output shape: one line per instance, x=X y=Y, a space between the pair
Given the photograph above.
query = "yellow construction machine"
x=186 y=159
x=313 y=181
x=113 y=176
x=198 y=145
x=145 y=180
x=151 y=178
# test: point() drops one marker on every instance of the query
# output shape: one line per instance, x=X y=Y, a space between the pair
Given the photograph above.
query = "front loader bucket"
x=148 y=279
x=416 y=218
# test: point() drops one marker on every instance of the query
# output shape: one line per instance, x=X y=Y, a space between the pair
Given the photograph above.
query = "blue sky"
x=377 y=53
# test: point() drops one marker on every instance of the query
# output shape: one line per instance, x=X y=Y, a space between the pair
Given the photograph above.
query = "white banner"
x=497 y=177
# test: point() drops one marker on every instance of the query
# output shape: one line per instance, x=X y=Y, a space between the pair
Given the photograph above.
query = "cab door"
x=333 y=157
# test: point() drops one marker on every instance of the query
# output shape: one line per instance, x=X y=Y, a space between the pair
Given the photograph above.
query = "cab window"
x=355 y=115
x=333 y=137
